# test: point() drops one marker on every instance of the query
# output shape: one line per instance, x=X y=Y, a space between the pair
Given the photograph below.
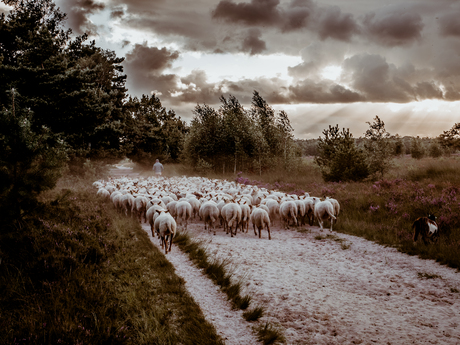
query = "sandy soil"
x=321 y=293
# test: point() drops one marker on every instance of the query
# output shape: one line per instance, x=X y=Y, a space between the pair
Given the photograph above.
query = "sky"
x=323 y=62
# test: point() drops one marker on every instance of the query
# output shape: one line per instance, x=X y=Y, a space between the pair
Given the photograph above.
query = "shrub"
x=338 y=157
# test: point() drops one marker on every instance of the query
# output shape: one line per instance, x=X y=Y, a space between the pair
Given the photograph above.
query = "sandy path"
x=229 y=323
x=323 y=294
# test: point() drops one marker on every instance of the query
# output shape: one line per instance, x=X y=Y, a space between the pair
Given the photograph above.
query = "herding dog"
x=427 y=228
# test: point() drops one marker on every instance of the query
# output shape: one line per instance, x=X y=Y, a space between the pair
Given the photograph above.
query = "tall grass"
x=76 y=272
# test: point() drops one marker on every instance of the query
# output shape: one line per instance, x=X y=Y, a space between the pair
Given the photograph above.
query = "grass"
x=254 y=314
x=75 y=272
x=424 y=275
x=269 y=334
x=216 y=270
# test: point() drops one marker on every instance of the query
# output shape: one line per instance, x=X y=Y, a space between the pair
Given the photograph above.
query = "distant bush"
x=338 y=157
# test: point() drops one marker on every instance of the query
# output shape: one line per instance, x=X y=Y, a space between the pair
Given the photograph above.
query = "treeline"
x=232 y=138
x=415 y=146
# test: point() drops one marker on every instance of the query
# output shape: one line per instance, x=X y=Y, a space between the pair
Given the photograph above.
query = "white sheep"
x=104 y=193
x=300 y=210
x=288 y=213
x=324 y=211
x=260 y=219
x=209 y=213
x=171 y=207
x=245 y=213
x=273 y=209
x=231 y=214
x=127 y=201
x=165 y=227
x=336 y=205
x=183 y=212
x=139 y=208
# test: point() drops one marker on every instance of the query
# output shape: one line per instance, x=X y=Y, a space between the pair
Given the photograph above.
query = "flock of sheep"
x=166 y=202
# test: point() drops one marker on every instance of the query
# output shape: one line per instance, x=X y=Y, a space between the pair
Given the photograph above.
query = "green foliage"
x=75 y=89
x=417 y=150
x=152 y=132
x=233 y=138
x=435 y=149
x=398 y=146
x=450 y=139
x=31 y=159
x=338 y=157
x=378 y=148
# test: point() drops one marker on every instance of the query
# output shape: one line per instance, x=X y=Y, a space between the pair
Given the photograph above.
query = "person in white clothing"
x=158 y=168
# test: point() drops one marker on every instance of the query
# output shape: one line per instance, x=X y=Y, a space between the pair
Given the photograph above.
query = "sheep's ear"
x=245 y=203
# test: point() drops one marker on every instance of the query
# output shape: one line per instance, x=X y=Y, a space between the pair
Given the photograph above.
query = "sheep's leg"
x=269 y=235
x=255 y=232
x=260 y=231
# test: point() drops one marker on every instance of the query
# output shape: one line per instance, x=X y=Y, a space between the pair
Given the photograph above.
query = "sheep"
x=150 y=215
x=117 y=202
x=139 y=208
x=264 y=207
x=209 y=213
x=183 y=212
x=300 y=210
x=336 y=205
x=324 y=210
x=245 y=213
x=260 y=219
x=288 y=212
x=195 y=206
x=231 y=214
x=273 y=208
x=127 y=202
x=310 y=208
x=104 y=193
x=165 y=227
x=427 y=228
x=171 y=207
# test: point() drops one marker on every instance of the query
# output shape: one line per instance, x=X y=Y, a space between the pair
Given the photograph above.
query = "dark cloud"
x=449 y=24
x=308 y=91
x=150 y=59
x=254 y=13
x=117 y=12
x=252 y=43
x=145 y=66
x=395 y=27
x=78 y=12
x=335 y=24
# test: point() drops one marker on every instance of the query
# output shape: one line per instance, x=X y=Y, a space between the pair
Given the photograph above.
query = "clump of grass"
x=454 y=290
x=269 y=334
x=215 y=269
x=319 y=237
x=304 y=231
x=344 y=244
x=424 y=275
x=254 y=314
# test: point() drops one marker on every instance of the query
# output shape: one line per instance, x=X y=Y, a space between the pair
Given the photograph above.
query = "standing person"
x=158 y=168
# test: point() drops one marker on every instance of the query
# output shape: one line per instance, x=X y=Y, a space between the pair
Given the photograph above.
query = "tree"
x=75 y=89
x=378 y=147
x=152 y=132
x=451 y=139
x=435 y=149
x=417 y=150
x=30 y=159
x=338 y=157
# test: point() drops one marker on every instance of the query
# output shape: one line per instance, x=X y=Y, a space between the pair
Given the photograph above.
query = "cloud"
x=394 y=26
x=252 y=43
x=254 y=13
x=145 y=67
x=78 y=12
x=337 y=25
x=308 y=91
x=449 y=24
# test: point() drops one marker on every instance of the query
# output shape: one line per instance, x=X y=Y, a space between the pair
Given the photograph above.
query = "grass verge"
x=76 y=272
